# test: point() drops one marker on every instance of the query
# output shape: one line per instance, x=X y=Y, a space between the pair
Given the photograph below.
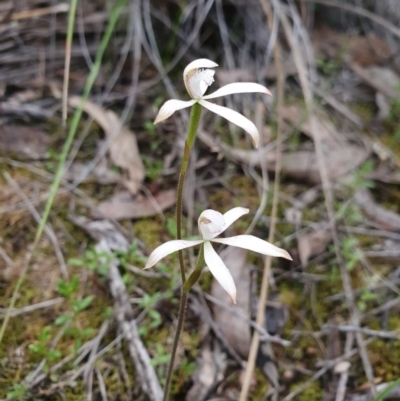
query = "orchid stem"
x=193 y=125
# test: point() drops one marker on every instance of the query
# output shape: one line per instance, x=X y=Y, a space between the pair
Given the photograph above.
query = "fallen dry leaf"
x=233 y=328
x=211 y=366
x=124 y=151
x=313 y=244
x=24 y=141
x=382 y=79
x=299 y=165
x=124 y=206
x=101 y=173
x=340 y=156
x=386 y=219
x=328 y=133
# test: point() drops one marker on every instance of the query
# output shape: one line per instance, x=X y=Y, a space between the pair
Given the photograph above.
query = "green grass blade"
x=68 y=47
x=115 y=13
x=387 y=391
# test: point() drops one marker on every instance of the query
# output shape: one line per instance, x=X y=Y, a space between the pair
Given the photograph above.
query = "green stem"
x=196 y=273
x=193 y=125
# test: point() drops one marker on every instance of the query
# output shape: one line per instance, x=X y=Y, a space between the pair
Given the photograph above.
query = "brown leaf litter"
x=123 y=150
x=24 y=141
x=341 y=157
x=384 y=218
x=232 y=327
x=124 y=206
x=313 y=244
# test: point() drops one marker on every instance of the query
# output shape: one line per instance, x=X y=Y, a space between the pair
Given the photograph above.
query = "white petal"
x=254 y=244
x=167 y=248
x=211 y=223
x=199 y=63
x=219 y=270
x=170 y=107
x=236 y=118
x=232 y=215
x=197 y=81
x=238 y=87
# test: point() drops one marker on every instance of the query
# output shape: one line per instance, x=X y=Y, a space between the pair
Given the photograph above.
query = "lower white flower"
x=211 y=224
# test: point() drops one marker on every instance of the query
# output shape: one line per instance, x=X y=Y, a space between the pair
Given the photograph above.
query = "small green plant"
x=328 y=66
x=160 y=361
x=43 y=349
x=365 y=297
x=69 y=291
x=352 y=254
x=93 y=260
x=147 y=303
x=19 y=392
x=153 y=167
x=360 y=182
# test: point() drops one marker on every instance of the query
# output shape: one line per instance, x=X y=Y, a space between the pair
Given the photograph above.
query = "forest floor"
x=332 y=315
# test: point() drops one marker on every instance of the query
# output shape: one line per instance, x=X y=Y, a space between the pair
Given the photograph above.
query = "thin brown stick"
x=267 y=267
x=329 y=201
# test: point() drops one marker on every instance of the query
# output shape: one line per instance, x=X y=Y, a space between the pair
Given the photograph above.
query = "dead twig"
x=260 y=320
x=32 y=308
x=109 y=240
x=387 y=335
x=329 y=201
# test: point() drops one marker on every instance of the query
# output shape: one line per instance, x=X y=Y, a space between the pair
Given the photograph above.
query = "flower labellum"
x=197 y=77
x=211 y=224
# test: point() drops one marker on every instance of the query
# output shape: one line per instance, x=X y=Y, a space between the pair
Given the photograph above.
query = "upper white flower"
x=198 y=78
x=211 y=224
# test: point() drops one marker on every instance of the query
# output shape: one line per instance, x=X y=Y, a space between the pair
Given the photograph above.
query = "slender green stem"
x=196 y=273
x=193 y=125
x=64 y=153
x=181 y=318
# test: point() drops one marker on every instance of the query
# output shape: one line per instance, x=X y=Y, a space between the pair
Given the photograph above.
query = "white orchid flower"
x=211 y=224
x=197 y=78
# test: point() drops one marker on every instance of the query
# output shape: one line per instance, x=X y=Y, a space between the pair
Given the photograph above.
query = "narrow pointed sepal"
x=254 y=244
x=170 y=107
x=238 y=87
x=169 y=247
x=235 y=118
x=219 y=270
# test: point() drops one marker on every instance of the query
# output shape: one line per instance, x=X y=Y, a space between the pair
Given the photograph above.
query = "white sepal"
x=232 y=215
x=238 y=87
x=219 y=270
x=170 y=107
x=235 y=118
x=168 y=248
x=254 y=244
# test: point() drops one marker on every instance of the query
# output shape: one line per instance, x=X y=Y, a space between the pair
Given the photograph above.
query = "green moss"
x=150 y=231
x=311 y=393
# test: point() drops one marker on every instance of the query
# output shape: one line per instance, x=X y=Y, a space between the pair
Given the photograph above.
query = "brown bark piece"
x=386 y=219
